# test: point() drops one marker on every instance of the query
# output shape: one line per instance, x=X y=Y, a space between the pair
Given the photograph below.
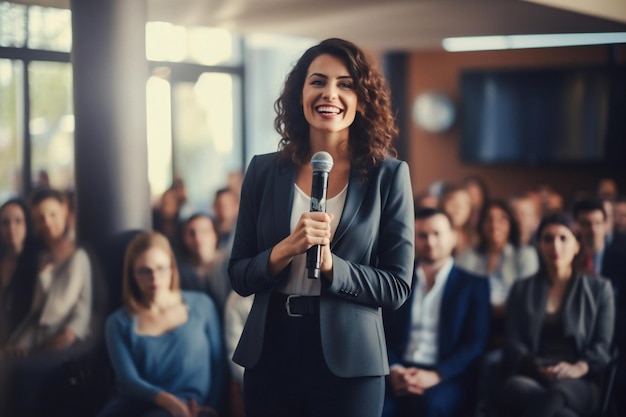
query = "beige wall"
x=435 y=157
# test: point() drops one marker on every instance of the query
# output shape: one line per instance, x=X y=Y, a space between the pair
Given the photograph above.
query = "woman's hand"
x=197 y=410
x=312 y=229
x=172 y=404
x=62 y=340
x=13 y=352
x=563 y=370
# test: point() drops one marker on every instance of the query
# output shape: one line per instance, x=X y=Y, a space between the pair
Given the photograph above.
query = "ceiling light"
x=489 y=43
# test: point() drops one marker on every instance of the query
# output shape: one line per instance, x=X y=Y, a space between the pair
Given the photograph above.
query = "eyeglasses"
x=147 y=273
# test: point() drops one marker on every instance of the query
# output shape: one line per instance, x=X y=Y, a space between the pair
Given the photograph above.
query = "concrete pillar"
x=110 y=73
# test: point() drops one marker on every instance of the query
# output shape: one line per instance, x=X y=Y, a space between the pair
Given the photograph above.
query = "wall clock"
x=433 y=112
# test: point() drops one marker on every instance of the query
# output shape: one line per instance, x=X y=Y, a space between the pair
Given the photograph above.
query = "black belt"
x=296 y=305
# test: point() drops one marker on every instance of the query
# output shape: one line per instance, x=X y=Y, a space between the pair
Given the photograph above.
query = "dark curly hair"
x=514 y=233
x=373 y=130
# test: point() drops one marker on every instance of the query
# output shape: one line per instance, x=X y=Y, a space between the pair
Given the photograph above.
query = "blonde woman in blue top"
x=165 y=345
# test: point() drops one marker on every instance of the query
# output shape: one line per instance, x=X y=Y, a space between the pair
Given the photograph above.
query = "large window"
x=268 y=61
x=11 y=117
x=51 y=124
x=194 y=112
x=36 y=111
x=198 y=127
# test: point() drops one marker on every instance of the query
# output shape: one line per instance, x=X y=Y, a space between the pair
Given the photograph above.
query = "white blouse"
x=298 y=282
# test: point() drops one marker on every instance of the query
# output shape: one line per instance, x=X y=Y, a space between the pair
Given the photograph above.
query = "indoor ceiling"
x=389 y=25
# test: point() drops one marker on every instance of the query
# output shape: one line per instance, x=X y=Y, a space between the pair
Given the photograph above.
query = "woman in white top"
x=60 y=314
x=500 y=257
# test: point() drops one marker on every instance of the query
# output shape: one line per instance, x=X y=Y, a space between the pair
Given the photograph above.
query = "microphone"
x=322 y=163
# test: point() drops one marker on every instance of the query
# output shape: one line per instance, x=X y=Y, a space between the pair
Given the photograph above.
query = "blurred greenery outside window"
x=51 y=124
x=49 y=29
x=45 y=142
x=11 y=97
x=194 y=113
x=13 y=23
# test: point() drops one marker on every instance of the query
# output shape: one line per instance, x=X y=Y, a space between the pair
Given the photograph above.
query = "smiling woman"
x=315 y=347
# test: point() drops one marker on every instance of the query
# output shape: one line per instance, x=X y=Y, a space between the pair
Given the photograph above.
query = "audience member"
x=201 y=265
x=235 y=316
x=61 y=309
x=166 y=215
x=42 y=180
x=499 y=256
x=234 y=182
x=608 y=261
x=178 y=185
x=550 y=200
x=606 y=189
x=165 y=345
x=434 y=341
x=58 y=323
x=18 y=266
x=620 y=215
x=527 y=212
x=559 y=330
x=185 y=208
x=479 y=196
x=225 y=211
x=609 y=210
x=597 y=254
x=426 y=200
x=619 y=230
x=455 y=201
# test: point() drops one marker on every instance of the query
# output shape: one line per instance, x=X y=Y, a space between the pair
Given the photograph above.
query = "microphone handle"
x=318 y=203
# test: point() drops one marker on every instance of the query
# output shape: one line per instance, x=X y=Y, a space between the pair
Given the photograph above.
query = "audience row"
x=514 y=294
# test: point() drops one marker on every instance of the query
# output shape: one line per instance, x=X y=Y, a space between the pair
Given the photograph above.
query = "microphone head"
x=321 y=161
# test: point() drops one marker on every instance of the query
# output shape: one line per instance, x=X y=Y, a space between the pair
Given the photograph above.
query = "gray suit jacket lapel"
x=354 y=198
x=283 y=200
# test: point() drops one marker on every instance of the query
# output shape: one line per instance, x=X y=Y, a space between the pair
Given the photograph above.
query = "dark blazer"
x=614 y=268
x=372 y=261
x=463 y=324
x=588 y=315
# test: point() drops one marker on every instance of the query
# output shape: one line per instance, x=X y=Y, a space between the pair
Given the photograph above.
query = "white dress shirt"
x=422 y=347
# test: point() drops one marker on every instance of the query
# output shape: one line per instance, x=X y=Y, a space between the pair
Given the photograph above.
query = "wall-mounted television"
x=541 y=116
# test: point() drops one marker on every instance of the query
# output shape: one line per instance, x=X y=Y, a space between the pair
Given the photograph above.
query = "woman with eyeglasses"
x=165 y=344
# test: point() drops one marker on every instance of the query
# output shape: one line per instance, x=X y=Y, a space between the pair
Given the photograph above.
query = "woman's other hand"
x=172 y=404
x=563 y=370
x=63 y=340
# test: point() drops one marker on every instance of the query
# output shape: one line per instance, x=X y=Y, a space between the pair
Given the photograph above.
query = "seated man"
x=600 y=258
x=609 y=261
x=437 y=337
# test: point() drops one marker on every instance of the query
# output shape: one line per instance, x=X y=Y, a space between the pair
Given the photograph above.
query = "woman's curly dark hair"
x=373 y=130
x=514 y=233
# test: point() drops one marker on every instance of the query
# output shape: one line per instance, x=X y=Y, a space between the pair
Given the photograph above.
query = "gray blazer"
x=588 y=316
x=373 y=252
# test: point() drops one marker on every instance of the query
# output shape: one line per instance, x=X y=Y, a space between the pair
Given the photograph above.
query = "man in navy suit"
x=436 y=339
x=609 y=261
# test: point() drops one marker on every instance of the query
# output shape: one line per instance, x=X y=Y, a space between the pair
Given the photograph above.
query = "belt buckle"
x=288 y=306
